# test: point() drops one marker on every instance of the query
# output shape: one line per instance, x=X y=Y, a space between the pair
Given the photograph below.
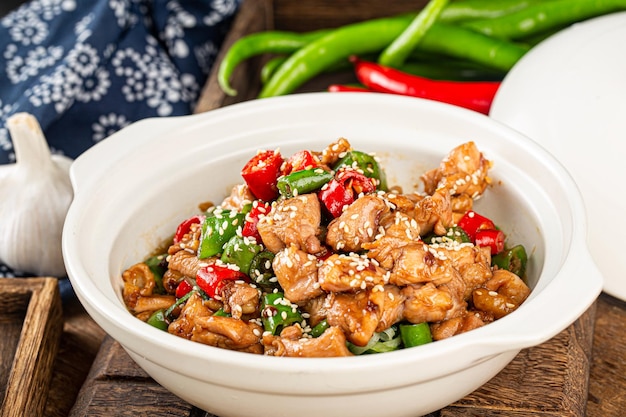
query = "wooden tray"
x=30 y=325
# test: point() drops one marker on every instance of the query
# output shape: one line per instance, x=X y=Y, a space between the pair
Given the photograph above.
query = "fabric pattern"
x=86 y=69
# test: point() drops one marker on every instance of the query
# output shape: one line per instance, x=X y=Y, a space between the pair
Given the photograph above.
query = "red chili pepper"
x=259 y=208
x=344 y=189
x=334 y=196
x=185 y=227
x=491 y=238
x=183 y=288
x=261 y=174
x=300 y=161
x=472 y=222
x=212 y=278
x=474 y=95
x=356 y=181
x=340 y=88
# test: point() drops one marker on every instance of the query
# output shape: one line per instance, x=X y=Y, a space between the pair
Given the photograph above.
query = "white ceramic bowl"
x=132 y=189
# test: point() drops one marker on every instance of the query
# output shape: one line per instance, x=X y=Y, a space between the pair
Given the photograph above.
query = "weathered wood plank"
x=37 y=301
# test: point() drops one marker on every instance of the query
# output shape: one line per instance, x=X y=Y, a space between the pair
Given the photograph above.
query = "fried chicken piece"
x=331 y=343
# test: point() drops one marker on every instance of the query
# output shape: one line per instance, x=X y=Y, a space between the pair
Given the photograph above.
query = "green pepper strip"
x=182 y=300
x=544 y=16
x=374 y=35
x=217 y=230
x=464 y=10
x=276 y=315
x=239 y=251
x=279 y=42
x=397 y=51
x=158 y=320
x=303 y=182
x=415 y=334
x=158 y=267
x=319 y=328
x=365 y=162
x=514 y=260
x=261 y=268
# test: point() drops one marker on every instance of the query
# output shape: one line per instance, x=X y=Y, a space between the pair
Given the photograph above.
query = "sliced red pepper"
x=185 y=227
x=472 y=222
x=212 y=278
x=355 y=181
x=474 y=95
x=261 y=174
x=299 y=161
x=183 y=288
x=259 y=208
x=491 y=238
x=344 y=189
x=334 y=196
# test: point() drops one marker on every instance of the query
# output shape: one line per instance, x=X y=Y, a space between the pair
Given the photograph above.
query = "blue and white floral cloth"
x=86 y=69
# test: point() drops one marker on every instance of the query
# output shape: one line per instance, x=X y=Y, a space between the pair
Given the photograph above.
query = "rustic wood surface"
x=30 y=324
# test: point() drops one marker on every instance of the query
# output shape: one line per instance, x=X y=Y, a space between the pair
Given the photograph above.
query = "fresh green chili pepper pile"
x=490 y=35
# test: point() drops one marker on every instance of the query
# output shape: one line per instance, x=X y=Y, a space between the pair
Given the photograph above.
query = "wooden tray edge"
x=31 y=371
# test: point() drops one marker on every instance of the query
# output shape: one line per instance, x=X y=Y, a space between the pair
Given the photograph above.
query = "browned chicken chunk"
x=356 y=225
x=292 y=221
x=357 y=315
x=330 y=344
x=296 y=272
x=350 y=272
x=228 y=333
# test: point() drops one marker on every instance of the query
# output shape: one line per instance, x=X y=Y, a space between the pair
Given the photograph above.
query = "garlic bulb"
x=35 y=194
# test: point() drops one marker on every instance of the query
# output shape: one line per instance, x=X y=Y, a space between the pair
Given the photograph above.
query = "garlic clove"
x=35 y=195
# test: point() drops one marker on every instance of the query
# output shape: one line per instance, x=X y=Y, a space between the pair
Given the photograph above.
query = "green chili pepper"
x=217 y=230
x=543 y=16
x=158 y=320
x=261 y=270
x=221 y=313
x=365 y=162
x=182 y=300
x=464 y=10
x=240 y=251
x=319 y=328
x=514 y=260
x=303 y=182
x=415 y=334
x=158 y=266
x=279 y=42
x=447 y=70
x=277 y=312
x=397 y=51
x=358 y=39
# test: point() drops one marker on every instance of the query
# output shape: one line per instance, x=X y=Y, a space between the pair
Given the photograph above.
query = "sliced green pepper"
x=261 y=269
x=217 y=229
x=158 y=266
x=319 y=328
x=415 y=334
x=303 y=181
x=240 y=251
x=513 y=259
x=277 y=312
x=221 y=313
x=366 y=163
x=158 y=320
